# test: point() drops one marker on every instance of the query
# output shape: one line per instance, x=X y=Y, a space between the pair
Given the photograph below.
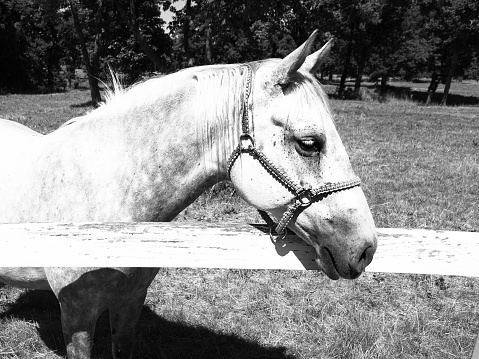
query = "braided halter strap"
x=303 y=197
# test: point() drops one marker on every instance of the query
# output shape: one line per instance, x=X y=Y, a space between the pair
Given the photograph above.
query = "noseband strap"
x=303 y=197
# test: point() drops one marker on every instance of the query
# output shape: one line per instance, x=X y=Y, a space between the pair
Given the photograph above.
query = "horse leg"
x=78 y=329
x=123 y=320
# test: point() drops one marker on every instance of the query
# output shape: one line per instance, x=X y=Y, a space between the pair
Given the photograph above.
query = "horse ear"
x=314 y=61
x=291 y=63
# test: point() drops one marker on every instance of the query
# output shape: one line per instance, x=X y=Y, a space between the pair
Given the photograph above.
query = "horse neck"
x=165 y=151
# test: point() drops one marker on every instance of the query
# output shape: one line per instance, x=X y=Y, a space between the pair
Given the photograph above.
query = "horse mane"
x=117 y=89
x=218 y=107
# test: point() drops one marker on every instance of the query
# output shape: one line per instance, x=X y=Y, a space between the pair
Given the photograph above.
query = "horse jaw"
x=341 y=229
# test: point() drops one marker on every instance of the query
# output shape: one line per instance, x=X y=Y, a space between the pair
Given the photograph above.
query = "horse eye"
x=308 y=147
x=307 y=144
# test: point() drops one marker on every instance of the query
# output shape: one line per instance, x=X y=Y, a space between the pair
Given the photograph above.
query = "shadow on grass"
x=402 y=92
x=155 y=337
x=406 y=92
x=83 y=105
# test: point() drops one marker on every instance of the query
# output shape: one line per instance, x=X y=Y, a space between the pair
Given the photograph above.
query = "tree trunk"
x=95 y=56
x=186 y=34
x=346 y=65
x=384 y=86
x=51 y=63
x=452 y=70
x=208 y=46
x=432 y=87
x=357 y=83
x=135 y=28
x=93 y=81
x=361 y=66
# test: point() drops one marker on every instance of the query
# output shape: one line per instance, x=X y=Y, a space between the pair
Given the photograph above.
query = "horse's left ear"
x=314 y=61
x=291 y=63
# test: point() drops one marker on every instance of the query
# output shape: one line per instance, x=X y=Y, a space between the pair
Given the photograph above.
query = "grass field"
x=420 y=168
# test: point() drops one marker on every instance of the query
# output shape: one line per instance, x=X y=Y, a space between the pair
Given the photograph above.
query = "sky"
x=167 y=15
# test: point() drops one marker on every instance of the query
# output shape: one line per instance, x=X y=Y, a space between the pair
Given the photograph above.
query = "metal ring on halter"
x=304 y=198
x=274 y=236
x=246 y=142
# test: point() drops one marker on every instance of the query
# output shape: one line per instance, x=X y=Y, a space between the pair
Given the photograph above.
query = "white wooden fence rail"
x=228 y=245
x=223 y=246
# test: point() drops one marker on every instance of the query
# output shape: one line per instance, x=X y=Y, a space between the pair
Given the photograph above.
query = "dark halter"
x=303 y=197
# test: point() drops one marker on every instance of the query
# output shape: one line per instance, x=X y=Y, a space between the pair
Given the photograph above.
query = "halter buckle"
x=246 y=142
x=304 y=198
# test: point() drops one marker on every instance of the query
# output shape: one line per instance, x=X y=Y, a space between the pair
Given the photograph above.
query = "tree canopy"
x=43 y=41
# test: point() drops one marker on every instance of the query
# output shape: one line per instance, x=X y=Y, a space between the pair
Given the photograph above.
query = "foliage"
x=122 y=50
x=378 y=38
x=30 y=34
x=399 y=48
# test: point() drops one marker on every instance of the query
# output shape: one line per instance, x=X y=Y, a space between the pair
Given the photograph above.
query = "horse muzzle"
x=341 y=229
x=335 y=267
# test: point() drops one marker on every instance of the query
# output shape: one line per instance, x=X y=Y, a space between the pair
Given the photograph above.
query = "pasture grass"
x=419 y=167
x=45 y=113
x=419 y=164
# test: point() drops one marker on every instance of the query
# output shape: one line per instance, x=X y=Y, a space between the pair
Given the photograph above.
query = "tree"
x=393 y=41
x=355 y=20
x=134 y=27
x=129 y=12
x=452 y=30
x=91 y=70
x=14 y=73
x=238 y=31
x=461 y=19
x=31 y=51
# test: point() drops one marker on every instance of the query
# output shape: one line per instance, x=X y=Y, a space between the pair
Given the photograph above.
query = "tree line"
x=43 y=41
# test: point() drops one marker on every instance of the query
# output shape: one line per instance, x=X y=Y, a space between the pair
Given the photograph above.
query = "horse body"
x=150 y=152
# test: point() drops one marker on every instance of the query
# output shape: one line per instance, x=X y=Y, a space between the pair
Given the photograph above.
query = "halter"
x=303 y=197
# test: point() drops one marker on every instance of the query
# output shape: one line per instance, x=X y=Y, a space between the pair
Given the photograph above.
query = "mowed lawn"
x=420 y=169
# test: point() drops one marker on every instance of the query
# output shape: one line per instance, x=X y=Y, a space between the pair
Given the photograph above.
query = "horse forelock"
x=307 y=94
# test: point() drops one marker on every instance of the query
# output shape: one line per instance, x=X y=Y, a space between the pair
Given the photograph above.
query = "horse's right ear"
x=314 y=61
x=290 y=64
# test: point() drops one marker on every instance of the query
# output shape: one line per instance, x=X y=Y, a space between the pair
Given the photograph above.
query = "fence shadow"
x=155 y=336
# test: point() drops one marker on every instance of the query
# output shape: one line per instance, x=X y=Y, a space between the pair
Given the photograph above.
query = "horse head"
x=291 y=162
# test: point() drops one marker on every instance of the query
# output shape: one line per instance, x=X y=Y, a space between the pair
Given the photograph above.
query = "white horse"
x=148 y=153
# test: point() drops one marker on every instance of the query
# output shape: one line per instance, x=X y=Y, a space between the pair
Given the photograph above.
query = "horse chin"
x=325 y=261
x=326 y=264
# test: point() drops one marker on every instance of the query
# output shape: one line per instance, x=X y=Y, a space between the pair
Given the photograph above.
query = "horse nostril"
x=355 y=269
x=366 y=257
